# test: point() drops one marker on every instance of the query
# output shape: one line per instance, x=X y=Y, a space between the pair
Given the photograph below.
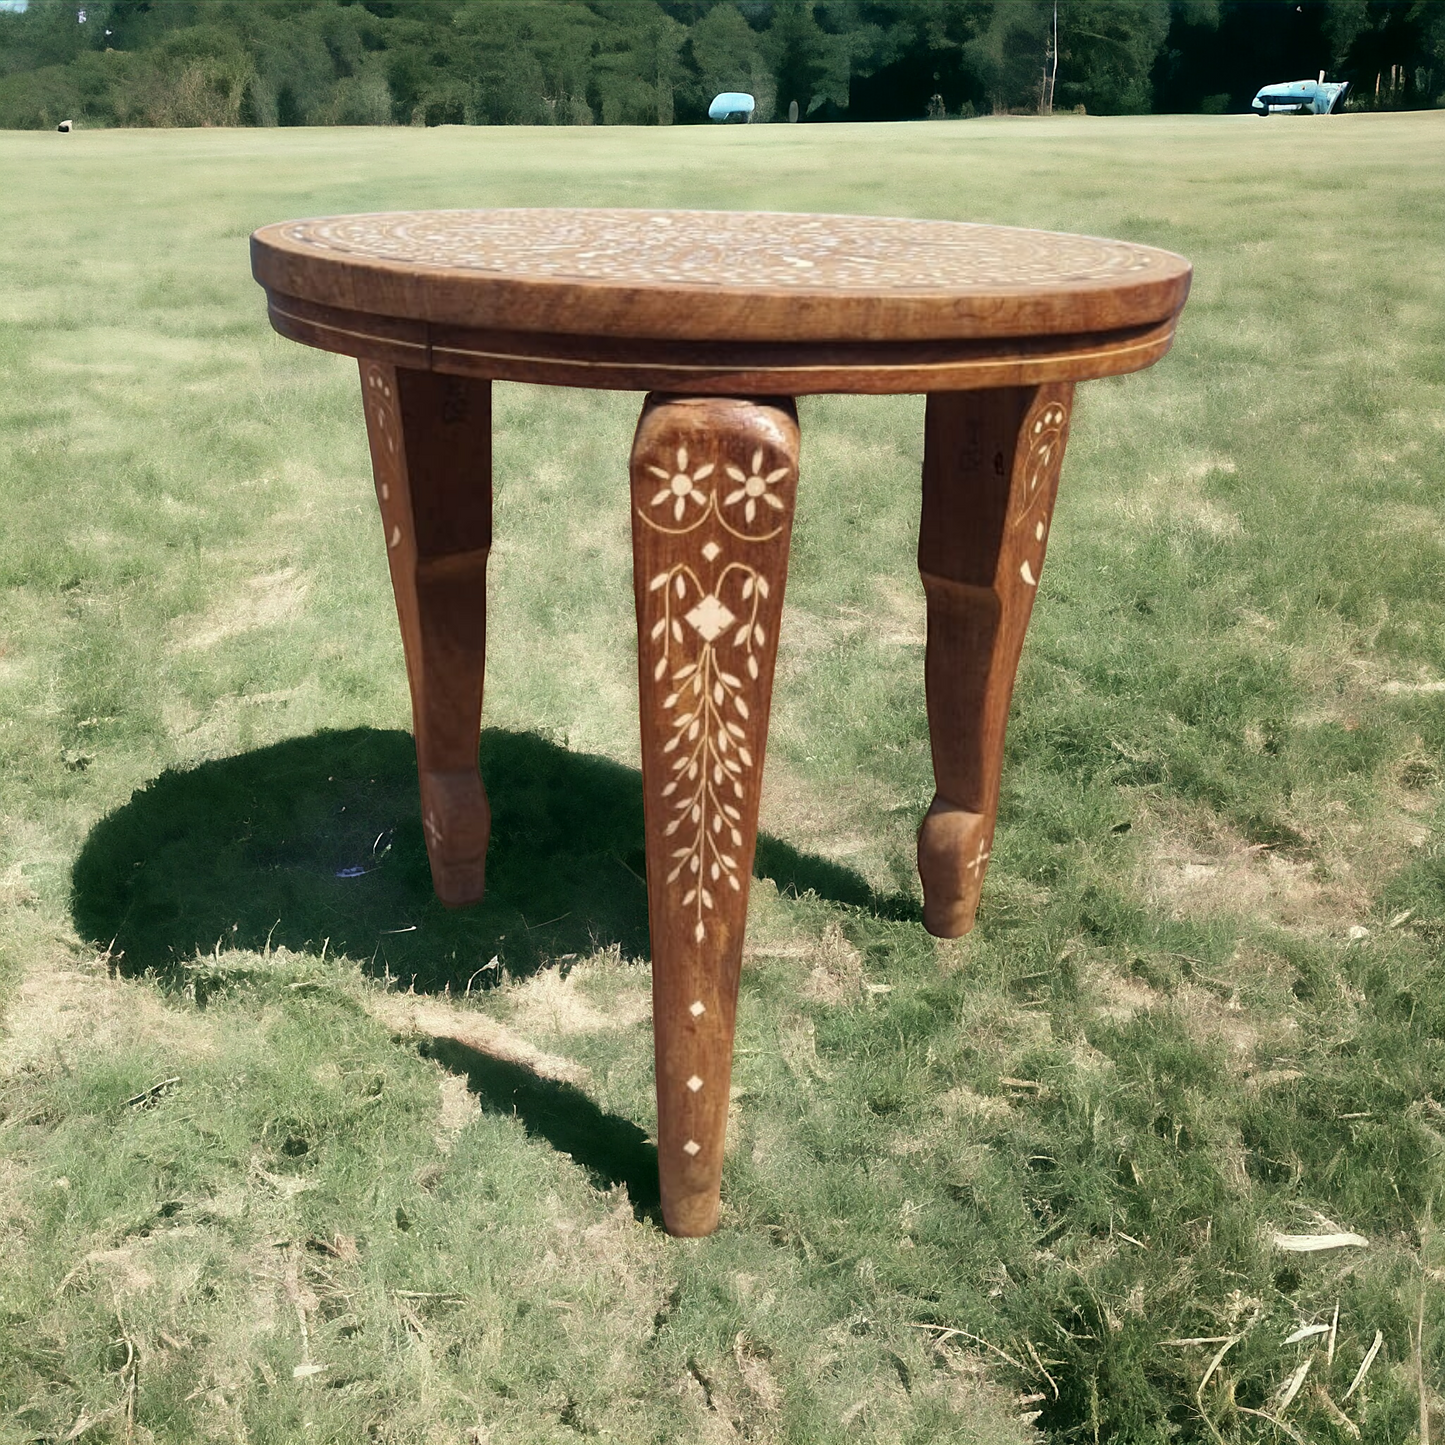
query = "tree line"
x=660 y=62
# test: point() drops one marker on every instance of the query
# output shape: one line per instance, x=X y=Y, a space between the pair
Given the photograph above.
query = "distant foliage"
x=659 y=62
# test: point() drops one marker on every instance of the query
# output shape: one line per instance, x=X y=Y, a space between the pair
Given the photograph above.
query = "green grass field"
x=401 y=1188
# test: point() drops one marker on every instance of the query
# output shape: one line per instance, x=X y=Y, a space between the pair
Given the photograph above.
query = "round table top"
x=720 y=275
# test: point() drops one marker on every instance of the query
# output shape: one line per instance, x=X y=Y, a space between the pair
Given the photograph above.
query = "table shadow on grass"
x=610 y=1149
x=316 y=843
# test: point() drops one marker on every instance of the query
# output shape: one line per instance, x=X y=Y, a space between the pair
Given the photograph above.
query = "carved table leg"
x=990 y=471
x=431 y=452
x=713 y=483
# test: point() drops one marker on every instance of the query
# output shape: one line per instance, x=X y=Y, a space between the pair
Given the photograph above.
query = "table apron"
x=721 y=367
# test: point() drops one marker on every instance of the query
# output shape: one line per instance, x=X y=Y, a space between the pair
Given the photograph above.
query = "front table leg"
x=713 y=483
x=431 y=453
x=990 y=471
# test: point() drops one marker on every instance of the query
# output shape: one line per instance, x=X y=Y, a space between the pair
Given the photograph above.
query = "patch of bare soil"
x=61 y=1008
x=836 y=973
x=1197 y=877
x=903 y=617
x=1245 y=1035
x=1194 y=865
x=614 y=1267
x=753 y=1365
x=552 y=1001
x=798 y=1044
x=806 y=633
x=122 y=1268
x=459 y=1107
x=408 y=1013
x=1176 y=501
x=965 y=1103
x=966 y=1384
x=1395 y=687
x=15 y=892
x=824 y=821
x=1121 y=997
x=261 y=602
x=14 y=1216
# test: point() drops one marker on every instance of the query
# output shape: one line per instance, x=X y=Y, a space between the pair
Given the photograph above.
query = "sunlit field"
x=289 y=1155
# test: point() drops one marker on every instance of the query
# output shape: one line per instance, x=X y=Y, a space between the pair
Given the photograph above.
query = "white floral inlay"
x=754 y=486
x=708 y=712
x=710 y=634
x=681 y=484
x=734 y=250
x=1046 y=432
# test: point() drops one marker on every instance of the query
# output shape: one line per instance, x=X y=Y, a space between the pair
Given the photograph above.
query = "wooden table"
x=723 y=318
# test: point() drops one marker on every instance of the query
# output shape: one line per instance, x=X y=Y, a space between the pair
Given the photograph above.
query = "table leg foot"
x=713 y=485
x=430 y=441
x=990 y=473
x=952 y=856
x=457 y=822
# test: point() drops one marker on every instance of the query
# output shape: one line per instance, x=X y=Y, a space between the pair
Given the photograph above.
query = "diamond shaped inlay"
x=709 y=617
x=691 y=1147
x=696 y=1008
x=710 y=551
x=694 y=1083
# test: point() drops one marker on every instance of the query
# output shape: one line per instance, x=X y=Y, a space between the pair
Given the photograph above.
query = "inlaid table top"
x=795 y=303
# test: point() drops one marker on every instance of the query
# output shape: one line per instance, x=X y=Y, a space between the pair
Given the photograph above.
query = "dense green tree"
x=658 y=62
x=922 y=51
x=725 y=53
x=804 y=58
x=1009 y=52
x=1394 y=53
x=638 y=65
x=514 y=70
x=1217 y=55
x=1106 y=53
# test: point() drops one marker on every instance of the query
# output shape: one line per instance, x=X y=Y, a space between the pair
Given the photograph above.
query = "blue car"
x=1302 y=97
x=732 y=105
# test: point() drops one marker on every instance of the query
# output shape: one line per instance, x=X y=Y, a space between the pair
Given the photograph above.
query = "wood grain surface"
x=990 y=473
x=713 y=485
x=720 y=301
x=431 y=457
x=727 y=368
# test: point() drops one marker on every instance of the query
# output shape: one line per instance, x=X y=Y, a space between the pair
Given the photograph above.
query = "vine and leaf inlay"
x=711 y=630
x=1046 y=432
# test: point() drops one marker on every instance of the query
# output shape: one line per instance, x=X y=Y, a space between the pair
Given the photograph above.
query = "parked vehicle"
x=732 y=105
x=1302 y=97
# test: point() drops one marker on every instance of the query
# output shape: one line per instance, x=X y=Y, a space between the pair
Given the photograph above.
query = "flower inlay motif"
x=754 y=486
x=710 y=629
x=681 y=485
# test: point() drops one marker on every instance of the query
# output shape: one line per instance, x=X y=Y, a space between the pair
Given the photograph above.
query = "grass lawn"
x=400 y=1186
